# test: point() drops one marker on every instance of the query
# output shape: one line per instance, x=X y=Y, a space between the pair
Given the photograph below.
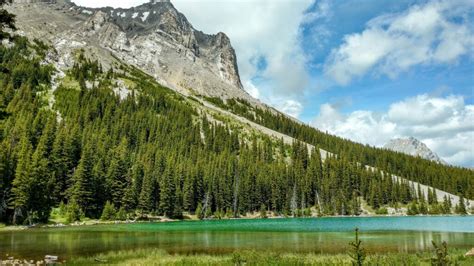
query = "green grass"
x=160 y=257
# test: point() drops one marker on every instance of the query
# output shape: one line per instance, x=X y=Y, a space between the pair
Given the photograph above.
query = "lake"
x=316 y=235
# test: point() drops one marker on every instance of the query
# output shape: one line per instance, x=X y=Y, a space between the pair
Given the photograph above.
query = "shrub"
x=381 y=211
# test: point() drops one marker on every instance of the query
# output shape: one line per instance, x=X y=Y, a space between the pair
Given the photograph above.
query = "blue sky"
x=368 y=70
x=443 y=79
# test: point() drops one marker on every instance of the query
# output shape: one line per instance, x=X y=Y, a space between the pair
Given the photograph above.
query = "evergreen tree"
x=81 y=191
x=22 y=183
x=109 y=212
x=117 y=173
x=199 y=211
x=167 y=194
x=357 y=251
x=146 y=198
x=447 y=205
x=121 y=214
x=74 y=212
x=461 y=207
x=42 y=184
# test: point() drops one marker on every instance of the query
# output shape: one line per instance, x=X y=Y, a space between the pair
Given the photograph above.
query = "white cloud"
x=291 y=107
x=434 y=33
x=445 y=124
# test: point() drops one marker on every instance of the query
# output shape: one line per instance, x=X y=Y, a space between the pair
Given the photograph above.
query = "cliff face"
x=154 y=36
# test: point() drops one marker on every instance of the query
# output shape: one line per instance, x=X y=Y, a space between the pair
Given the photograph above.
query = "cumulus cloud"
x=445 y=124
x=437 y=32
x=291 y=107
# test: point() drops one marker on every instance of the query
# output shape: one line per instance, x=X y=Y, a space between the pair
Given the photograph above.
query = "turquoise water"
x=317 y=235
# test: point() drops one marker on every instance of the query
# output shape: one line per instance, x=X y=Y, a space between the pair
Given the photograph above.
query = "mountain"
x=154 y=37
x=414 y=147
x=136 y=110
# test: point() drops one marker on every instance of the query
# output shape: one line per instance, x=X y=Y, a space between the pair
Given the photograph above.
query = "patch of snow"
x=135 y=15
x=145 y=15
x=85 y=11
x=124 y=14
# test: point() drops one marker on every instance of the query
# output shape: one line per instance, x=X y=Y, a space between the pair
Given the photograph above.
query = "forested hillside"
x=150 y=151
x=452 y=179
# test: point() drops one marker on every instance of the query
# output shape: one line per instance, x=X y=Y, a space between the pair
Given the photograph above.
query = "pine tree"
x=121 y=214
x=447 y=205
x=167 y=194
x=146 y=198
x=358 y=252
x=199 y=211
x=109 y=212
x=23 y=182
x=188 y=194
x=461 y=207
x=41 y=198
x=74 y=212
x=117 y=173
x=82 y=190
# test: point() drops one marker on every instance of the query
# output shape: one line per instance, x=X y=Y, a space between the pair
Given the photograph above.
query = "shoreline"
x=95 y=222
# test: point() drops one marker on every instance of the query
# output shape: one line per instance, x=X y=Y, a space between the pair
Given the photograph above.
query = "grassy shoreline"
x=252 y=257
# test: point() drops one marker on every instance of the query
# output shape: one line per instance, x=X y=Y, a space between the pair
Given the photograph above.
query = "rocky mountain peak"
x=154 y=36
x=414 y=147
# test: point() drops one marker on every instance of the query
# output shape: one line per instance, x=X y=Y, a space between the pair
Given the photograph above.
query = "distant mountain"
x=413 y=146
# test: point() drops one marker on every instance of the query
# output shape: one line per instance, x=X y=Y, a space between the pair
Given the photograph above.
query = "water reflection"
x=181 y=238
x=37 y=244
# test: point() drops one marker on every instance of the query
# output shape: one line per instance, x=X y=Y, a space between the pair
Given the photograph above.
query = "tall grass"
x=252 y=257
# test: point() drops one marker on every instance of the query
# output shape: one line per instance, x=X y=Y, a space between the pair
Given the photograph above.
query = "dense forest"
x=456 y=180
x=97 y=152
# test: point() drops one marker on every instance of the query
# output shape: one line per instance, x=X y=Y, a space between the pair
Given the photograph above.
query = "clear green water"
x=319 y=235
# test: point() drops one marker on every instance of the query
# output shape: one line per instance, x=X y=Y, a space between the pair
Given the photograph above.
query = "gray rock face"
x=154 y=36
x=414 y=147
